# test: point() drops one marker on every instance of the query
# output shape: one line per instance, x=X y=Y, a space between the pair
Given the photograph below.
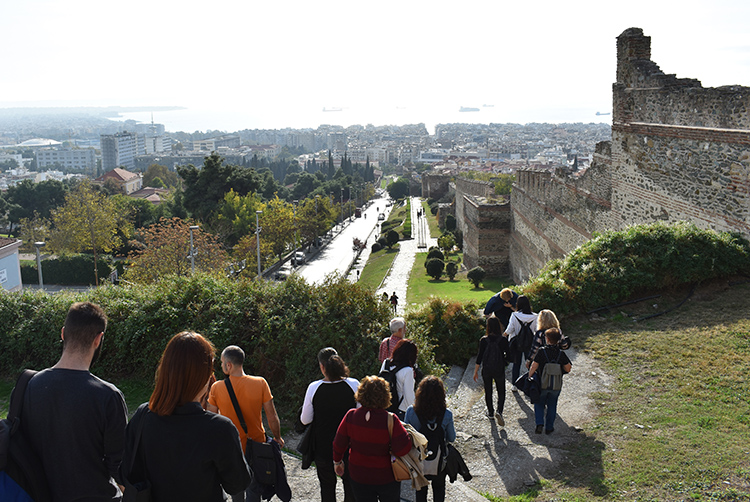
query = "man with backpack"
x=551 y=363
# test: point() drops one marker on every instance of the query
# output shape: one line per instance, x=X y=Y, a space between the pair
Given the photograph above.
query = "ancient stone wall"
x=434 y=186
x=678 y=152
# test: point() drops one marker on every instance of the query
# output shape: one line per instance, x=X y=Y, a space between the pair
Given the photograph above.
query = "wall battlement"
x=679 y=151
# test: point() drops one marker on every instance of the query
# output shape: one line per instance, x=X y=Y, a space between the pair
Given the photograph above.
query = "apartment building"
x=83 y=159
x=119 y=150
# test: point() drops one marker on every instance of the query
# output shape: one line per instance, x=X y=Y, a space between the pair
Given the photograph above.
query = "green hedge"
x=68 y=270
x=281 y=326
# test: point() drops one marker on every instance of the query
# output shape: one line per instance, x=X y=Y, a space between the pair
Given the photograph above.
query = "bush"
x=75 y=269
x=450 y=223
x=375 y=247
x=382 y=241
x=453 y=329
x=447 y=241
x=435 y=267
x=617 y=265
x=476 y=275
x=434 y=208
x=434 y=252
x=451 y=269
x=391 y=238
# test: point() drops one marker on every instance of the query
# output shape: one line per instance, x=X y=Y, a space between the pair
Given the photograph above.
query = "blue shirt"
x=450 y=430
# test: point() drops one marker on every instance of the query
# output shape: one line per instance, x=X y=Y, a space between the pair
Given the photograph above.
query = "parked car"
x=381 y=216
x=299 y=258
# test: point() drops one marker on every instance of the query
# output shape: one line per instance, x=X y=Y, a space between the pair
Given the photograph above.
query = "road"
x=337 y=255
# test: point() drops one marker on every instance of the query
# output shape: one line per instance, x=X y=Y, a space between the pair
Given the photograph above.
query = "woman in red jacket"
x=364 y=433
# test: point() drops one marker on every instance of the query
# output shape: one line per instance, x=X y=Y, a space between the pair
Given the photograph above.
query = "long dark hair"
x=429 y=402
x=405 y=352
x=523 y=304
x=494 y=326
x=333 y=366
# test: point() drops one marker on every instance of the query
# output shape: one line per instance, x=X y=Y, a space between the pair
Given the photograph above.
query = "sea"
x=204 y=119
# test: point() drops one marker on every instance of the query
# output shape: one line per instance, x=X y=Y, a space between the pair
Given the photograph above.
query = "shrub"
x=476 y=276
x=435 y=267
x=72 y=269
x=391 y=238
x=451 y=269
x=447 y=241
x=434 y=252
x=382 y=241
x=450 y=223
x=375 y=247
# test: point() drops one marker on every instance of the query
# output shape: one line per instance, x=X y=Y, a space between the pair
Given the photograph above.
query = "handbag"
x=306 y=448
x=259 y=456
x=140 y=491
x=401 y=471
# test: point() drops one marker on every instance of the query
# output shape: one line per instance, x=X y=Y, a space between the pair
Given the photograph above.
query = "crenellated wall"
x=678 y=152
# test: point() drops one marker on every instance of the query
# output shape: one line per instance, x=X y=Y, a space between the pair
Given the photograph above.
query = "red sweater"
x=368 y=445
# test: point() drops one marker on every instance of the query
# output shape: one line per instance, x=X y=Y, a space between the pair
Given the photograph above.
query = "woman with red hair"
x=181 y=450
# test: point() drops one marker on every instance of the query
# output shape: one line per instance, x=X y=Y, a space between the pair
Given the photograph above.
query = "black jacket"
x=455 y=465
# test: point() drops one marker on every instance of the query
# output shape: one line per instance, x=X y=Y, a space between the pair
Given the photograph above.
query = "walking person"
x=326 y=403
x=546 y=320
x=394 y=301
x=492 y=357
x=502 y=304
x=545 y=409
x=522 y=324
x=398 y=329
x=182 y=450
x=430 y=416
x=370 y=434
x=402 y=365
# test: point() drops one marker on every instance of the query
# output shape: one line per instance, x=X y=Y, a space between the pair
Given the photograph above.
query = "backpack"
x=22 y=477
x=437 y=453
x=552 y=373
x=493 y=359
x=389 y=375
x=524 y=339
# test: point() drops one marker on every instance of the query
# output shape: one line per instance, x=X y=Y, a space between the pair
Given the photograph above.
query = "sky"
x=273 y=64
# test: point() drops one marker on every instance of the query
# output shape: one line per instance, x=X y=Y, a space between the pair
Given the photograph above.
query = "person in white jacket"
x=522 y=315
x=404 y=355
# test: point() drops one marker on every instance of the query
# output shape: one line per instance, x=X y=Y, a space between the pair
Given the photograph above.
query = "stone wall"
x=434 y=186
x=678 y=152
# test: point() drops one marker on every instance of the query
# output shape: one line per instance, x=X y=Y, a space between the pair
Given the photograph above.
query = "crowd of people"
x=201 y=439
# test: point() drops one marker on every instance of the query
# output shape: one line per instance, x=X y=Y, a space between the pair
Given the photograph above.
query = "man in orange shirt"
x=253 y=395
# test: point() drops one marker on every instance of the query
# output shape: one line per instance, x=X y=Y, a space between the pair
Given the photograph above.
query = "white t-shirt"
x=514 y=325
x=404 y=385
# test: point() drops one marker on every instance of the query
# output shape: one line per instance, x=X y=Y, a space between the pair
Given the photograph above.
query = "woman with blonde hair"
x=172 y=443
x=546 y=320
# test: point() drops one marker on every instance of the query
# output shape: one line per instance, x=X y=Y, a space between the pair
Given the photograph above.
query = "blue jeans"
x=549 y=399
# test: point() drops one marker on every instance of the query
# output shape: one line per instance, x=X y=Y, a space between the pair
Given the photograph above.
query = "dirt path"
x=503 y=460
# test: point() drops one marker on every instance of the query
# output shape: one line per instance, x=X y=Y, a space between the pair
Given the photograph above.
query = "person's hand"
x=528 y=364
x=476 y=375
x=339 y=468
x=279 y=440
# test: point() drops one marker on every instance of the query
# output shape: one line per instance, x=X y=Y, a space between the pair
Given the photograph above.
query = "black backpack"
x=389 y=375
x=437 y=453
x=493 y=359
x=524 y=339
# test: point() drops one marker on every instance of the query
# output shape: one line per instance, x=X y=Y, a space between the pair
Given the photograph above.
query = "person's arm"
x=405 y=386
x=400 y=442
x=480 y=355
x=341 y=445
x=114 y=435
x=490 y=307
x=534 y=367
x=449 y=427
x=308 y=413
x=273 y=421
x=566 y=368
x=537 y=344
x=230 y=462
x=213 y=409
x=476 y=372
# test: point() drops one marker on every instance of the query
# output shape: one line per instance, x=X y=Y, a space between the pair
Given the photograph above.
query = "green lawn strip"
x=377 y=267
x=432 y=220
x=676 y=423
x=422 y=286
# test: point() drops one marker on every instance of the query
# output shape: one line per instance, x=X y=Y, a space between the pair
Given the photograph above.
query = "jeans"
x=517 y=362
x=549 y=399
x=389 y=492
x=500 y=386
x=438 y=489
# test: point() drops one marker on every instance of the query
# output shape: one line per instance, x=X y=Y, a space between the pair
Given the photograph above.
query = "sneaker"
x=513 y=388
x=499 y=419
x=549 y=431
x=539 y=429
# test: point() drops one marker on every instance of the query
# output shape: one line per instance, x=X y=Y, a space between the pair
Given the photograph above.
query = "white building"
x=79 y=159
x=119 y=150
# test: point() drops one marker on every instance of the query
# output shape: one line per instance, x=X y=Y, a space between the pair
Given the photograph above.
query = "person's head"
x=83 y=325
x=373 y=392
x=234 y=356
x=494 y=326
x=397 y=326
x=405 y=352
x=331 y=364
x=523 y=304
x=184 y=370
x=547 y=319
x=429 y=401
x=506 y=294
x=553 y=336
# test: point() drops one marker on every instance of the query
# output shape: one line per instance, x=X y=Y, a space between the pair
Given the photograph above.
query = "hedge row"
x=68 y=270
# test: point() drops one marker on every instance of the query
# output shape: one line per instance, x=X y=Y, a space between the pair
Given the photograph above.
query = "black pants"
x=327 y=478
x=499 y=380
x=438 y=489
x=517 y=361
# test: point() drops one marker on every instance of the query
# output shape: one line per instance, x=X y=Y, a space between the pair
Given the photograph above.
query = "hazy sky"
x=274 y=59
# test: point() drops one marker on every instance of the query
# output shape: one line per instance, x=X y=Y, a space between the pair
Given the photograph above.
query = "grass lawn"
x=377 y=266
x=422 y=286
x=432 y=220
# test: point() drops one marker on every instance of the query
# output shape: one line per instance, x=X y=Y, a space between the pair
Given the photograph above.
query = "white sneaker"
x=513 y=388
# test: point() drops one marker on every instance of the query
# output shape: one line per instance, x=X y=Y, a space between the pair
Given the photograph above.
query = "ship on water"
x=332 y=109
x=468 y=109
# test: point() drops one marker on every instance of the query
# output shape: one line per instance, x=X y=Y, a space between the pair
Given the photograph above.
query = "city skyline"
x=235 y=66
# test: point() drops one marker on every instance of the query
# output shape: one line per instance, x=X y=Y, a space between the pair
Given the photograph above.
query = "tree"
x=167 y=252
x=27 y=197
x=435 y=267
x=236 y=215
x=88 y=220
x=434 y=252
x=391 y=238
x=451 y=269
x=450 y=223
x=446 y=242
x=277 y=225
x=476 y=276
x=167 y=178
x=398 y=189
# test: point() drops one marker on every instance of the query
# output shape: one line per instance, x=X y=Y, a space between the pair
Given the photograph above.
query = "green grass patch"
x=377 y=267
x=432 y=220
x=422 y=286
